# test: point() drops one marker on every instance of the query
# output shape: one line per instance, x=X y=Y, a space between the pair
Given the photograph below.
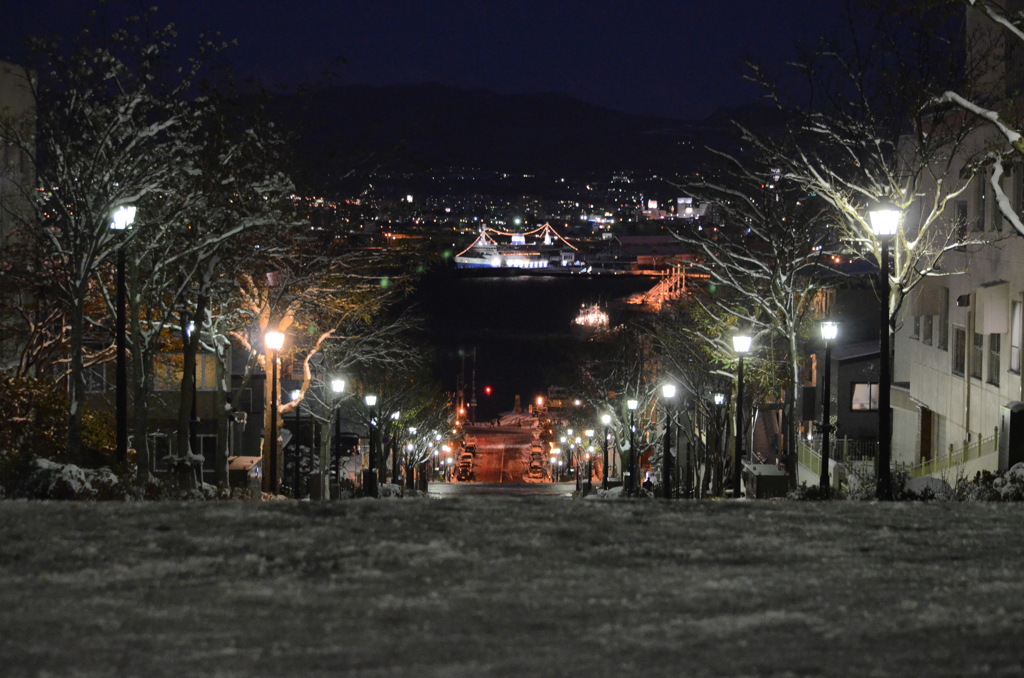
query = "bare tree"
x=112 y=131
x=766 y=250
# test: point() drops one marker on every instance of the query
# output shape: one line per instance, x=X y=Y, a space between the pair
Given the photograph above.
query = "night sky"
x=675 y=58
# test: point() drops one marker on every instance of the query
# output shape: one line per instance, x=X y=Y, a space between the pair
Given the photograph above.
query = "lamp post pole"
x=121 y=406
x=395 y=475
x=589 y=434
x=606 y=419
x=273 y=341
x=337 y=387
x=123 y=218
x=370 y=488
x=885 y=220
x=829 y=331
x=668 y=391
x=741 y=343
x=634 y=466
x=297 y=456
x=719 y=400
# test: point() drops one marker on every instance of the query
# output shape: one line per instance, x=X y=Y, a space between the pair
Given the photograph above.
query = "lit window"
x=865 y=397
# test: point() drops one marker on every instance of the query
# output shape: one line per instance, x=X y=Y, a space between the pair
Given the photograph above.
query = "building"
x=958 y=342
x=17 y=185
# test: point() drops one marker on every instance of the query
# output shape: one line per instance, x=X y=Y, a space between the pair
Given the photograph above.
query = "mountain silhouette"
x=416 y=128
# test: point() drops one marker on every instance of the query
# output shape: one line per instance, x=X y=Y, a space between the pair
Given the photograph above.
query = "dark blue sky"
x=677 y=58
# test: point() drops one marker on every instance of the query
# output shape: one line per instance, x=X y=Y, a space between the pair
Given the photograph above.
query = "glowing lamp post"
x=741 y=344
x=606 y=420
x=829 y=331
x=395 y=475
x=273 y=342
x=370 y=473
x=121 y=220
x=337 y=388
x=634 y=461
x=719 y=400
x=668 y=392
x=885 y=221
x=296 y=394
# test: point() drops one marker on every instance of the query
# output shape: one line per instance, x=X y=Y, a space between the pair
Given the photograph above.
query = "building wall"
x=976 y=293
x=17 y=182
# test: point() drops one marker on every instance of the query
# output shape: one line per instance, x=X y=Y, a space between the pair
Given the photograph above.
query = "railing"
x=841 y=451
x=957 y=457
x=808 y=457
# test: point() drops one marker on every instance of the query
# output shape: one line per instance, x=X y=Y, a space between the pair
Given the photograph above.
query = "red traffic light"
x=487 y=390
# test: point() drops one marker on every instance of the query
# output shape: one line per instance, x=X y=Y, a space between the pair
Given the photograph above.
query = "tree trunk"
x=222 y=358
x=789 y=413
x=76 y=380
x=188 y=466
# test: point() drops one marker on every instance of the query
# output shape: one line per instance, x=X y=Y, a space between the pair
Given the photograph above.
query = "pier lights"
x=885 y=222
x=741 y=344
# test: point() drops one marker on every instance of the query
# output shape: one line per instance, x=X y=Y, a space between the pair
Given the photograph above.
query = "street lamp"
x=296 y=394
x=589 y=433
x=741 y=344
x=634 y=465
x=337 y=388
x=606 y=420
x=885 y=221
x=121 y=220
x=668 y=392
x=370 y=474
x=829 y=331
x=273 y=342
x=395 y=476
x=719 y=400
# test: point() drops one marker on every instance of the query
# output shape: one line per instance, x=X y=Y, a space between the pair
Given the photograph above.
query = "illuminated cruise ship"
x=541 y=248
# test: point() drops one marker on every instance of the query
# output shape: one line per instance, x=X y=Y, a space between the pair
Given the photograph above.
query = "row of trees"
x=217 y=255
x=890 y=111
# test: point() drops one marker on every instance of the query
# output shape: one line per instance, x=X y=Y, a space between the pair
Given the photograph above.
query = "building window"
x=960 y=220
x=865 y=397
x=944 y=319
x=915 y=328
x=993 y=359
x=977 y=354
x=1015 y=332
x=979 y=204
x=926 y=329
x=959 y=350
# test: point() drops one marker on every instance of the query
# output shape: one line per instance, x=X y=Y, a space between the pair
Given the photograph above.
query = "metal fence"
x=958 y=455
x=861 y=454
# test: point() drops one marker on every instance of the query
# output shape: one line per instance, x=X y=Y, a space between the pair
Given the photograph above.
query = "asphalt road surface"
x=502 y=453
